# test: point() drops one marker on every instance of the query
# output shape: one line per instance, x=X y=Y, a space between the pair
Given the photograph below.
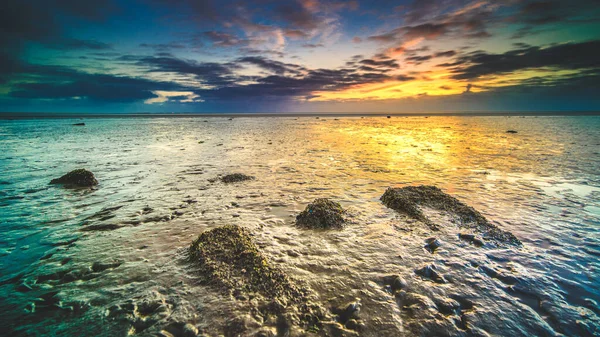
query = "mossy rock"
x=227 y=256
x=409 y=199
x=321 y=214
x=236 y=178
x=77 y=178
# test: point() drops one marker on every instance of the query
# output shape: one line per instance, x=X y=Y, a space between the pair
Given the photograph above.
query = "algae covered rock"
x=321 y=214
x=77 y=178
x=228 y=257
x=410 y=199
x=236 y=178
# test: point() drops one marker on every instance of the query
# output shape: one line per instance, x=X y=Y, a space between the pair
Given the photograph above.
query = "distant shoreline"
x=39 y=115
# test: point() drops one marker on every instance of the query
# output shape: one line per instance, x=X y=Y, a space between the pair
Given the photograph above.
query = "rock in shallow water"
x=431 y=244
x=228 y=258
x=236 y=178
x=77 y=178
x=430 y=271
x=321 y=214
x=409 y=199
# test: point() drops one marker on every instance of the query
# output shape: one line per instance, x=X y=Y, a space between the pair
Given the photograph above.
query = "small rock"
x=472 y=239
x=447 y=306
x=293 y=253
x=395 y=282
x=321 y=214
x=345 y=313
x=429 y=271
x=235 y=178
x=76 y=178
x=431 y=244
x=352 y=324
x=100 y=266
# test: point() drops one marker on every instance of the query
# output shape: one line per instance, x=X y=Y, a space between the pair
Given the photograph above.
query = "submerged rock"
x=235 y=178
x=321 y=214
x=409 y=199
x=77 y=178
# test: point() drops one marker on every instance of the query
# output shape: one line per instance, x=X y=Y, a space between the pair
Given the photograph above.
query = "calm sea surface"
x=156 y=195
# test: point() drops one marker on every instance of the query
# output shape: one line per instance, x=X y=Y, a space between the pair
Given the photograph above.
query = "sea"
x=112 y=260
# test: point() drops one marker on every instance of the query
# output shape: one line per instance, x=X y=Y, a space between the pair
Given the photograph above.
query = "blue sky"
x=299 y=56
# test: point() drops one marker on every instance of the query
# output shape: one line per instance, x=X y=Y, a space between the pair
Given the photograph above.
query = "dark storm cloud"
x=286 y=87
x=447 y=53
x=271 y=65
x=39 y=20
x=55 y=82
x=540 y=16
x=418 y=59
x=563 y=56
x=540 y=12
x=287 y=80
x=386 y=64
x=208 y=72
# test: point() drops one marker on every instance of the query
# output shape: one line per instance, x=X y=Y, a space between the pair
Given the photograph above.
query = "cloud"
x=178 y=96
x=299 y=15
x=163 y=46
x=65 y=83
x=209 y=73
x=313 y=45
x=379 y=63
x=428 y=31
x=221 y=39
x=295 y=34
x=562 y=56
x=271 y=65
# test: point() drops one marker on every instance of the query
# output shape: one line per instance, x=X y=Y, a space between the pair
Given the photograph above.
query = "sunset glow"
x=300 y=56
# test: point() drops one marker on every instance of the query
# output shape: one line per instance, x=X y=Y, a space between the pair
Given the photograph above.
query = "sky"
x=205 y=56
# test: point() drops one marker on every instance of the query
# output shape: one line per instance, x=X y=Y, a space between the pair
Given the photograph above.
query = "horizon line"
x=50 y=115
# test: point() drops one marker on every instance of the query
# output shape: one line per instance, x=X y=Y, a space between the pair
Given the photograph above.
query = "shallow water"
x=542 y=184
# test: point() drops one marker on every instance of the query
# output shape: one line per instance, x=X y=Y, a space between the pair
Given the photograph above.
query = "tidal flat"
x=209 y=226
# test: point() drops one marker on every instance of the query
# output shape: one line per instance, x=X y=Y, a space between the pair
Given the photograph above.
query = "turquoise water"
x=156 y=194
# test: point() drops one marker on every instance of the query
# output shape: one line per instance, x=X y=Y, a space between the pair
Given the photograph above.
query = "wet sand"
x=116 y=259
